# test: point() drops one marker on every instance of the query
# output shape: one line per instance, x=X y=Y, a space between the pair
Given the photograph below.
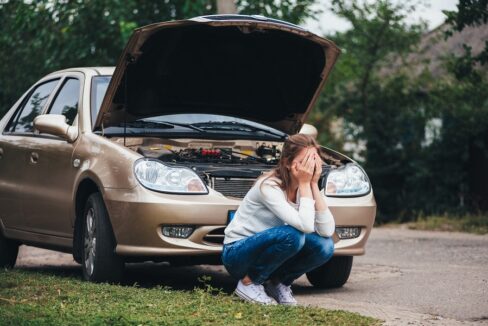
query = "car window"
x=98 y=90
x=66 y=102
x=23 y=121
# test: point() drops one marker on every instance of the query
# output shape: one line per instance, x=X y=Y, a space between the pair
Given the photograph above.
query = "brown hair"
x=292 y=146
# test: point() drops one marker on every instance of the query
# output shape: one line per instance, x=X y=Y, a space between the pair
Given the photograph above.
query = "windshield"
x=214 y=122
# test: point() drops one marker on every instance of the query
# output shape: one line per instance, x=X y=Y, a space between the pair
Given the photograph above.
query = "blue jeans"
x=280 y=253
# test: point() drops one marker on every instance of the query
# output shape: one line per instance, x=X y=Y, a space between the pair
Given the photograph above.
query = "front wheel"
x=8 y=252
x=332 y=274
x=100 y=262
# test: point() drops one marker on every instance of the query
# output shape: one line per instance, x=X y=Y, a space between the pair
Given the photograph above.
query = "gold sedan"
x=149 y=160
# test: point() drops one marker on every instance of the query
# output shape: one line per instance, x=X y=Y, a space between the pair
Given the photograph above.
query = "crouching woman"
x=282 y=229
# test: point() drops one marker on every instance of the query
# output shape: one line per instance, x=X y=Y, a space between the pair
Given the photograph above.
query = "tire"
x=8 y=252
x=100 y=263
x=332 y=274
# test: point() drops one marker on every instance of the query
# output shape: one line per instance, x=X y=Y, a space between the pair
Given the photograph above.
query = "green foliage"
x=38 y=37
x=457 y=159
x=469 y=13
x=477 y=224
x=28 y=298
x=379 y=37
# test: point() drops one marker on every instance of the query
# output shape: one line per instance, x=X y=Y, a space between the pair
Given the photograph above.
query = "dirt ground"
x=407 y=277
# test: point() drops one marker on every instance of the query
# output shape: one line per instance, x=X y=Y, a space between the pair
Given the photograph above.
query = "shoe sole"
x=277 y=301
x=246 y=298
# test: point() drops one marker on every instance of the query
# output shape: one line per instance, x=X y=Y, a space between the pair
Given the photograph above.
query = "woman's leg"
x=316 y=251
x=262 y=253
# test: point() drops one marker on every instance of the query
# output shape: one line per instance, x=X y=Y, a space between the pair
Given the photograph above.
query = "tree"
x=470 y=13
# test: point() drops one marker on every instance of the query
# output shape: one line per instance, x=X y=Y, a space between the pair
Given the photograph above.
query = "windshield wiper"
x=236 y=126
x=186 y=125
x=156 y=124
x=146 y=124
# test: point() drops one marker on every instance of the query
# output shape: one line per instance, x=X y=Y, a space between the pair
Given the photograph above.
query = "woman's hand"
x=318 y=169
x=320 y=204
x=304 y=171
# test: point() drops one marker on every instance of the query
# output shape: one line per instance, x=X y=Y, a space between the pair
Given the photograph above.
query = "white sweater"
x=268 y=207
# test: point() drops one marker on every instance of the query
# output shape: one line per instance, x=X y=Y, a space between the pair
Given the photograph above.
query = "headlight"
x=347 y=181
x=157 y=176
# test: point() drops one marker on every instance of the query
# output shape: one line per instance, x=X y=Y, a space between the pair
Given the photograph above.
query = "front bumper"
x=137 y=216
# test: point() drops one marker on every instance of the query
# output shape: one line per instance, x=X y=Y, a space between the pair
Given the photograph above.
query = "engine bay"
x=218 y=162
x=186 y=151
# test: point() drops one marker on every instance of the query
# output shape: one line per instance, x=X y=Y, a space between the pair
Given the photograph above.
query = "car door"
x=49 y=172
x=13 y=163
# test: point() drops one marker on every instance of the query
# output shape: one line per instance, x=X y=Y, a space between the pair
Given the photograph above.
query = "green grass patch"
x=28 y=298
x=477 y=224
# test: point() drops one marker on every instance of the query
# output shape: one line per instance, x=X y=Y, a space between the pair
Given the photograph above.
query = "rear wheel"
x=332 y=274
x=100 y=262
x=8 y=252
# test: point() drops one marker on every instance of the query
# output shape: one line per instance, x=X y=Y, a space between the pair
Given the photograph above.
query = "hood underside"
x=261 y=71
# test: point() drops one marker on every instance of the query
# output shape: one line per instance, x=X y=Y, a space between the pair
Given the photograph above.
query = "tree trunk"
x=226 y=7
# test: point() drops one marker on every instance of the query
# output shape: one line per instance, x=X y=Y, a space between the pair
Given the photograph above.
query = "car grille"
x=234 y=187
x=215 y=236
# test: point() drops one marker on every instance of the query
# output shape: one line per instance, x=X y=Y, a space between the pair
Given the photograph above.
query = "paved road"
x=406 y=278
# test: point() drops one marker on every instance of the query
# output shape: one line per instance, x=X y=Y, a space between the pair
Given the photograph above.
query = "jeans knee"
x=294 y=238
x=324 y=247
x=327 y=248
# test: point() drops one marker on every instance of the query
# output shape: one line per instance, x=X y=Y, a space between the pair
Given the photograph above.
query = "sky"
x=430 y=11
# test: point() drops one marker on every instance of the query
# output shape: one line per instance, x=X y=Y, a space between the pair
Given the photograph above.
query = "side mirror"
x=55 y=124
x=310 y=130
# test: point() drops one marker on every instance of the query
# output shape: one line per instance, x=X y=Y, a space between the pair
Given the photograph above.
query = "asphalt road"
x=406 y=278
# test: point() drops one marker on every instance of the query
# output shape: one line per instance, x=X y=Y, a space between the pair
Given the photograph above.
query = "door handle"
x=1 y=152
x=34 y=158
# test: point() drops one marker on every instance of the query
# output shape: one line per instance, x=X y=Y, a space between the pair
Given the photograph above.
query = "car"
x=148 y=160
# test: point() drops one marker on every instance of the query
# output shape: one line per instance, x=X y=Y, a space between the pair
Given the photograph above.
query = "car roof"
x=102 y=71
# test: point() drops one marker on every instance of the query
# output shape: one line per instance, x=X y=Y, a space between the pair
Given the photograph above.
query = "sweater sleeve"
x=324 y=223
x=303 y=219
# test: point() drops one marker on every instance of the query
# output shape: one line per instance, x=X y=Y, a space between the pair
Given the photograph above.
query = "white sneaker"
x=281 y=293
x=254 y=293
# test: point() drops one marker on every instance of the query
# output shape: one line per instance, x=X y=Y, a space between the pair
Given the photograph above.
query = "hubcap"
x=90 y=241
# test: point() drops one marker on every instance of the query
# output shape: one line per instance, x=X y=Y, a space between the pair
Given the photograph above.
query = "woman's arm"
x=274 y=199
x=324 y=220
x=320 y=205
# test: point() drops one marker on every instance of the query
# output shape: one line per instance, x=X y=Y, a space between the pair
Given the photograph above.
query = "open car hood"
x=250 y=67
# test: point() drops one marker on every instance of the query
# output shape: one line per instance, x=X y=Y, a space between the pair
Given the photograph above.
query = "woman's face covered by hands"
x=306 y=166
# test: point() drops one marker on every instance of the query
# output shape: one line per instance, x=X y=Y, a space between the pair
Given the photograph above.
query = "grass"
x=40 y=298
x=477 y=224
